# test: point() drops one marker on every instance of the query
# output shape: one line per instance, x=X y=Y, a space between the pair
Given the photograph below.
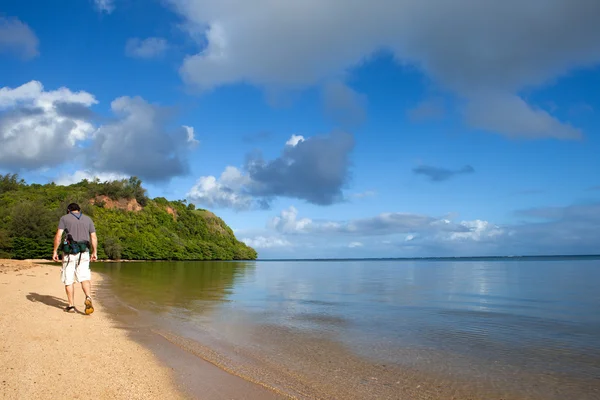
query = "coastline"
x=131 y=353
x=46 y=352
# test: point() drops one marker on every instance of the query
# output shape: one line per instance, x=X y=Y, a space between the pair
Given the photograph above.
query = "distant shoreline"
x=445 y=258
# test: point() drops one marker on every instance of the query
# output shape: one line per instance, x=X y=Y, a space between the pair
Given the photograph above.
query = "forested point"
x=129 y=225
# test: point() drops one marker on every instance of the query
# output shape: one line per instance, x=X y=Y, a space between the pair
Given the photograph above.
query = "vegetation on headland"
x=129 y=225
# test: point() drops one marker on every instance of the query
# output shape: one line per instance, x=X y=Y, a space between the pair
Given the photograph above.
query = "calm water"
x=527 y=329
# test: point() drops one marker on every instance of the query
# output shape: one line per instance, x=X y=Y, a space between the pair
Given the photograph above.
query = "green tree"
x=163 y=229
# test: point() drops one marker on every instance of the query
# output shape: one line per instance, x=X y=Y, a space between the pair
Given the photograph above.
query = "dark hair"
x=73 y=207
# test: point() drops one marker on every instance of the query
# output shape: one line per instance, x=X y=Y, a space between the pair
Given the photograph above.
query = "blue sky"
x=321 y=129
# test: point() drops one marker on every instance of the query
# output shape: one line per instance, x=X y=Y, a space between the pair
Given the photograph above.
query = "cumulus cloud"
x=437 y=174
x=151 y=47
x=262 y=242
x=476 y=230
x=228 y=191
x=105 y=6
x=294 y=140
x=288 y=222
x=78 y=176
x=403 y=231
x=43 y=129
x=140 y=143
x=481 y=50
x=314 y=169
x=383 y=224
x=573 y=229
x=36 y=128
x=17 y=38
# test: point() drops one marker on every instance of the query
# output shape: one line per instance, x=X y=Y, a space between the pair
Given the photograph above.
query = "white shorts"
x=75 y=269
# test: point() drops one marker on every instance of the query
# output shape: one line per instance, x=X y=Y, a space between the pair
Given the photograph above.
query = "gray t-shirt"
x=80 y=228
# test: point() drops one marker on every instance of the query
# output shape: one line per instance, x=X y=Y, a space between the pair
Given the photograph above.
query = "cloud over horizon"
x=566 y=229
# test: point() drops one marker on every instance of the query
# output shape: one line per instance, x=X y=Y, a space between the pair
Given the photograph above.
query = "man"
x=76 y=264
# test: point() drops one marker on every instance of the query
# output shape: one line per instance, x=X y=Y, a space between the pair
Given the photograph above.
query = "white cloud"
x=44 y=129
x=466 y=46
x=78 y=176
x=294 y=140
x=139 y=143
x=191 y=138
x=106 y=6
x=287 y=222
x=314 y=169
x=383 y=224
x=41 y=128
x=151 y=47
x=563 y=230
x=262 y=242
x=226 y=192
x=17 y=37
x=478 y=230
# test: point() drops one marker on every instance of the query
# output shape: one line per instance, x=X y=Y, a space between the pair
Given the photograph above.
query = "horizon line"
x=428 y=258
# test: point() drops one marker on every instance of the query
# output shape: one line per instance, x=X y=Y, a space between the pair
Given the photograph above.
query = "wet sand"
x=46 y=353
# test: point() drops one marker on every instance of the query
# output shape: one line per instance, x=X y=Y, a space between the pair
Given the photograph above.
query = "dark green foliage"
x=112 y=248
x=10 y=182
x=162 y=230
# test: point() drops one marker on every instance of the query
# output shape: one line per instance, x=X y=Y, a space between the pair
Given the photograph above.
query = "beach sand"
x=46 y=353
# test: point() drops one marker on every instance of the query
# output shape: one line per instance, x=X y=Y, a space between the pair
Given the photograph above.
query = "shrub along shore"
x=129 y=224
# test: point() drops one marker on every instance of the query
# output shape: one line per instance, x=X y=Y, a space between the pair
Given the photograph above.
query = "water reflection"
x=188 y=287
x=493 y=318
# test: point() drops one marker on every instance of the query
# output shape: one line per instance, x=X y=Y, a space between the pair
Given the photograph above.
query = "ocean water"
x=469 y=328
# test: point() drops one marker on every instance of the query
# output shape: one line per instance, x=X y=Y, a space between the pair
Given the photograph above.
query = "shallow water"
x=382 y=329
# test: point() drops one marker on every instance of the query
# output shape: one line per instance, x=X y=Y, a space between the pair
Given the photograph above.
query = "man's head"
x=73 y=207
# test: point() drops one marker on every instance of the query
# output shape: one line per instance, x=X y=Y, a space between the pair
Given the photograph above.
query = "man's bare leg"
x=70 y=294
x=87 y=288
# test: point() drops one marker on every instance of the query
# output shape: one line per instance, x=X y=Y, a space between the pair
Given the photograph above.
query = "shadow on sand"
x=49 y=301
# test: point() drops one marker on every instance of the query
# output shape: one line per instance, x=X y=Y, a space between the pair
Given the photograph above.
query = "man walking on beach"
x=80 y=232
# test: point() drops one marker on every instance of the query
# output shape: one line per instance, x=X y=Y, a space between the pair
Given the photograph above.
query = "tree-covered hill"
x=129 y=225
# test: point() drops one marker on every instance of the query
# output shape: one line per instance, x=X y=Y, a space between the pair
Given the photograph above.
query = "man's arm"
x=57 y=239
x=94 y=238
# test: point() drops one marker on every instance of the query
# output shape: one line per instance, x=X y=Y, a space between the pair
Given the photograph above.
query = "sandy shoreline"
x=46 y=353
